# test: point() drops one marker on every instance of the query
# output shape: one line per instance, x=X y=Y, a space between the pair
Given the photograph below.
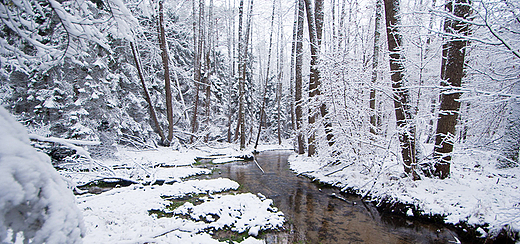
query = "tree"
x=167 y=85
x=452 y=71
x=401 y=96
x=315 y=25
x=197 y=68
x=292 y=77
x=298 y=77
x=146 y=93
x=262 y=109
x=375 y=64
x=280 y=77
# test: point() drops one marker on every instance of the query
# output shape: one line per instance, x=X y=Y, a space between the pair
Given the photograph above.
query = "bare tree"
x=403 y=113
x=375 y=64
x=208 y=69
x=158 y=129
x=298 y=76
x=240 y=63
x=315 y=24
x=167 y=86
x=291 y=79
x=264 y=98
x=280 y=76
x=243 y=50
x=452 y=71
x=197 y=68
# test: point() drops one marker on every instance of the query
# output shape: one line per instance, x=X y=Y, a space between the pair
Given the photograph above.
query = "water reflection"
x=314 y=216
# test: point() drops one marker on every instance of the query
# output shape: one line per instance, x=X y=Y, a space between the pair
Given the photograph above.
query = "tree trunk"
x=167 y=86
x=244 y=69
x=291 y=80
x=209 y=69
x=315 y=24
x=158 y=129
x=313 y=86
x=375 y=64
x=280 y=77
x=197 y=68
x=298 y=78
x=240 y=63
x=242 y=49
x=262 y=110
x=452 y=72
x=323 y=107
x=403 y=115
x=231 y=52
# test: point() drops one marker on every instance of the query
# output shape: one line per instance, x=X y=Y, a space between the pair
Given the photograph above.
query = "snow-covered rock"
x=35 y=203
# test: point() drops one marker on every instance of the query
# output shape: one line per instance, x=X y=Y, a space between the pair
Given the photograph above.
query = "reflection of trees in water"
x=314 y=217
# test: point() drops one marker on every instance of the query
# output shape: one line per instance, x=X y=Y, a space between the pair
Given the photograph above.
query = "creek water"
x=320 y=214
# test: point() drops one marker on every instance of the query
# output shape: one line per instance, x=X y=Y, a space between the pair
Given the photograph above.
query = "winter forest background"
x=349 y=82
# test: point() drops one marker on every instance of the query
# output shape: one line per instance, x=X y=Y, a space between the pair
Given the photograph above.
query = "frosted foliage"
x=34 y=200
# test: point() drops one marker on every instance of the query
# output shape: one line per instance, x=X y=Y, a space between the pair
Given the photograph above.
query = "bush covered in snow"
x=35 y=203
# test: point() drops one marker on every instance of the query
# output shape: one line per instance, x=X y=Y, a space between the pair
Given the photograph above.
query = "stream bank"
x=320 y=213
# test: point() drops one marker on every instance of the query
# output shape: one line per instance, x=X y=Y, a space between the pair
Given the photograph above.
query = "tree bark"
x=403 y=114
x=243 y=49
x=197 y=67
x=167 y=85
x=280 y=77
x=209 y=69
x=452 y=72
x=231 y=51
x=313 y=85
x=375 y=64
x=298 y=76
x=240 y=63
x=315 y=24
x=291 y=80
x=158 y=129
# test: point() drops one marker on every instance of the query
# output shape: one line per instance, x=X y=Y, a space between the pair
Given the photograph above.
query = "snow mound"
x=34 y=200
x=239 y=212
x=122 y=215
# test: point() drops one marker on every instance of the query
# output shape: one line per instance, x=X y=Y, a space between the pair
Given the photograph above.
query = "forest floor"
x=478 y=198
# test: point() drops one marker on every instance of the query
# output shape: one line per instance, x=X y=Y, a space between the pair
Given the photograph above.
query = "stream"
x=321 y=214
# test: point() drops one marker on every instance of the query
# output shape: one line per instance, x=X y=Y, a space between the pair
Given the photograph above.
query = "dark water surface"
x=316 y=214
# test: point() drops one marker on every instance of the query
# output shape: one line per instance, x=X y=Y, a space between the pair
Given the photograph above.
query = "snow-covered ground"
x=122 y=215
x=476 y=193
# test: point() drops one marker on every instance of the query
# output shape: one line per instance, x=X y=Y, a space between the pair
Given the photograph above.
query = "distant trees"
x=353 y=103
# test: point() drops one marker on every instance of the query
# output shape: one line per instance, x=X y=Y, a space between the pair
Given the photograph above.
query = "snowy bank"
x=477 y=193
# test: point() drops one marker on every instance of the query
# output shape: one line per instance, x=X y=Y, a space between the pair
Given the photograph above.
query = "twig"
x=254 y=159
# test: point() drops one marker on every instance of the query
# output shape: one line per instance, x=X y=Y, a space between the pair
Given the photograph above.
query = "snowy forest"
x=413 y=105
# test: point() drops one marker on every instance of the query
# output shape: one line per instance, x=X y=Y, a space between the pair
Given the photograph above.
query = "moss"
x=160 y=213
x=230 y=236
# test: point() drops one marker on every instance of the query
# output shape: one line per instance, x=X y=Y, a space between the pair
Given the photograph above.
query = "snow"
x=226 y=160
x=476 y=193
x=34 y=200
x=121 y=215
x=239 y=212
